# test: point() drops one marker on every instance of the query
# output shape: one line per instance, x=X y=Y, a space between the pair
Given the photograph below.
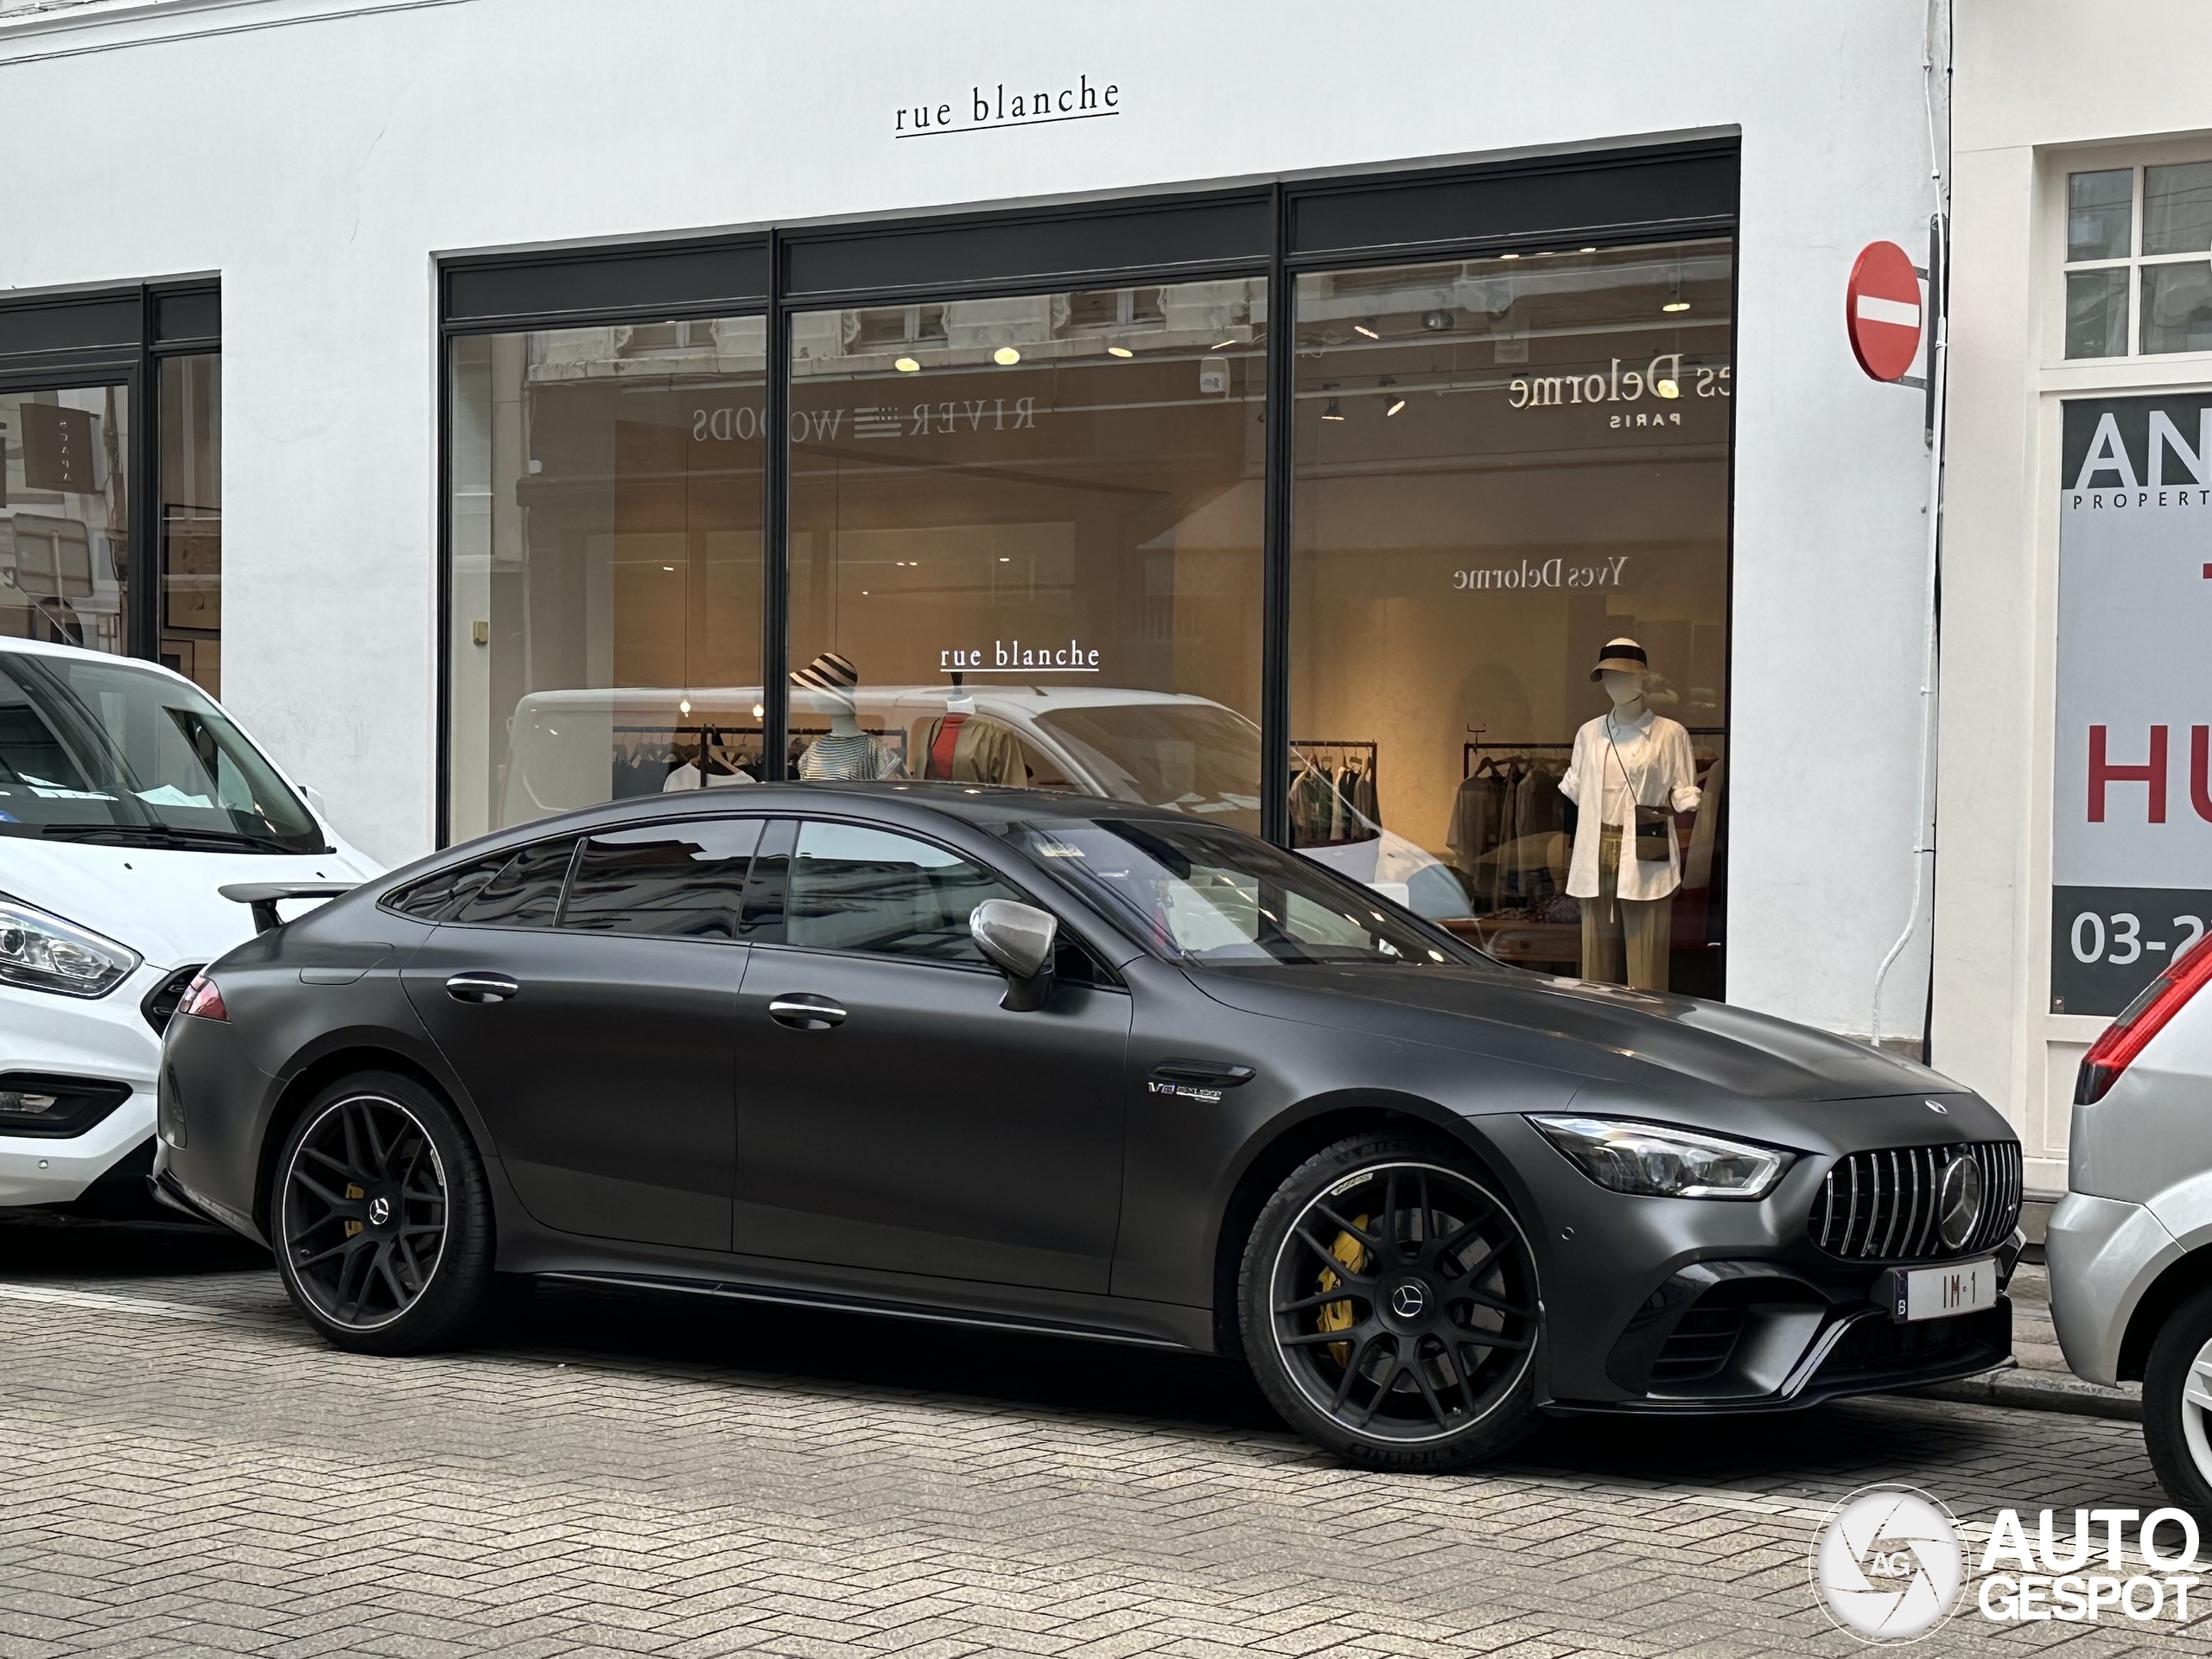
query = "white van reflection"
x=567 y=749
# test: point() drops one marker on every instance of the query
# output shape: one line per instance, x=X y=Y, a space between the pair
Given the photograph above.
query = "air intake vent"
x=1888 y=1205
x=1698 y=1346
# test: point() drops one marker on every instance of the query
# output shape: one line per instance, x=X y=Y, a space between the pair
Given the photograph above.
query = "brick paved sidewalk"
x=191 y=1472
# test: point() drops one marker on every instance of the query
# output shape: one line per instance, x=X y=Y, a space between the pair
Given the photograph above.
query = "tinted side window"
x=435 y=898
x=681 y=881
x=526 y=891
x=853 y=888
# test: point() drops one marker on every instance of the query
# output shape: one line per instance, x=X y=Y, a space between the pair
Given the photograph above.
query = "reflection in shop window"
x=192 y=519
x=65 y=516
x=1029 y=526
x=1504 y=466
x=605 y=631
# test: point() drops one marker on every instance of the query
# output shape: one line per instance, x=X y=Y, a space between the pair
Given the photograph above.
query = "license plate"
x=1916 y=1294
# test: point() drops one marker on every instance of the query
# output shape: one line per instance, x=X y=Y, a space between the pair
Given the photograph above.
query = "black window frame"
x=119 y=336
x=1277 y=230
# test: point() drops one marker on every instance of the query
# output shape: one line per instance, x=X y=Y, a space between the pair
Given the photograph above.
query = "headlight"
x=1661 y=1161
x=44 y=953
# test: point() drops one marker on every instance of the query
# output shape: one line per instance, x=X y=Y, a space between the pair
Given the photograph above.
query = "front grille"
x=160 y=1005
x=1698 y=1346
x=1881 y=1206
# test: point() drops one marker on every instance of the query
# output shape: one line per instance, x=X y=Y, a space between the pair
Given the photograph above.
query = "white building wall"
x=2042 y=87
x=319 y=154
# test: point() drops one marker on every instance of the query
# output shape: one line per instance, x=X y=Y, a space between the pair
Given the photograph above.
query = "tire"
x=1439 y=1311
x=2177 y=1434
x=381 y=1219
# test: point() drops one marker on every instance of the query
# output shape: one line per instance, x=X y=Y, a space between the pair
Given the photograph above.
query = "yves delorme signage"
x=2131 y=813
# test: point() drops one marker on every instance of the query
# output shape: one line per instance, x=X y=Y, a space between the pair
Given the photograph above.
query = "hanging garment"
x=860 y=757
x=1476 y=817
x=1310 y=796
x=1619 y=765
x=1367 y=802
x=966 y=750
x=1704 y=831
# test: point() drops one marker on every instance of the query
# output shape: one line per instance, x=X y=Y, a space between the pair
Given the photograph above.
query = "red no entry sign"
x=1881 y=308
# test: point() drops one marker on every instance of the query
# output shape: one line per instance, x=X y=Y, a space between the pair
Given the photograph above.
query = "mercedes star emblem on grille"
x=1959 y=1202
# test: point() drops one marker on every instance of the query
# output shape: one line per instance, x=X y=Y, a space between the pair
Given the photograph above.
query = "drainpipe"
x=1923 y=838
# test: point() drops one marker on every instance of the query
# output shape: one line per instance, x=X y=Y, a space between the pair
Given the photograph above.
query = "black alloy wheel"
x=1391 y=1309
x=381 y=1218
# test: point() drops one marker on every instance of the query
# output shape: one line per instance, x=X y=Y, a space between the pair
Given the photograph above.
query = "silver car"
x=2130 y=1246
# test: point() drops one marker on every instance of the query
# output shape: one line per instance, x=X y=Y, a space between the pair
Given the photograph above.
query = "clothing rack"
x=1324 y=764
x=1469 y=751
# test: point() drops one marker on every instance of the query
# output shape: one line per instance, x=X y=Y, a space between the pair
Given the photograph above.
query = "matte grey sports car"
x=1023 y=1060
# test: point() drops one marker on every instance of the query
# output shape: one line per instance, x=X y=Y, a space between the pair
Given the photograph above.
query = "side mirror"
x=1018 y=939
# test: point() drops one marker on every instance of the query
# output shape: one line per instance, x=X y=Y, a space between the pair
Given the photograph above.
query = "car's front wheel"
x=1388 y=1308
x=2177 y=1405
x=381 y=1218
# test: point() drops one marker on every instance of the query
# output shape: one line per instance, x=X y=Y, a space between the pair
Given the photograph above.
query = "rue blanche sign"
x=987 y=109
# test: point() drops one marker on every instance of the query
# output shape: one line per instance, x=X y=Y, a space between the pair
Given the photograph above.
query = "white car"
x=2130 y=1246
x=1163 y=748
x=128 y=799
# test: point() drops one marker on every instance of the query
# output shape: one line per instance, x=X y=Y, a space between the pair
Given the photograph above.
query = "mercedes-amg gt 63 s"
x=1042 y=1063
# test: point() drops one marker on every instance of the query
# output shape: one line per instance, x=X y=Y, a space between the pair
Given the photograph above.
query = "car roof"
x=47 y=648
x=979 y=804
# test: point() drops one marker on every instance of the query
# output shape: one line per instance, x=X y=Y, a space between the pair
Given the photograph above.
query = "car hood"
x=1600 y=1032
x=160 y=901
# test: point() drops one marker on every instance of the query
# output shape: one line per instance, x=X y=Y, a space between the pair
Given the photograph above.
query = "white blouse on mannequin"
x=1654 y=768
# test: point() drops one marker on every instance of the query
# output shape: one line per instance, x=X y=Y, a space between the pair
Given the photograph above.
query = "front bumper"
x=107 y=1038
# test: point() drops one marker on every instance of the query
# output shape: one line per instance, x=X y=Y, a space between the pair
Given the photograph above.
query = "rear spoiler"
x=261 y=897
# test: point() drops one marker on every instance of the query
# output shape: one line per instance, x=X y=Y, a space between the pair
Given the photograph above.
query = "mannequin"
x=1626 y=759
x=963 y=749
x=848 y=754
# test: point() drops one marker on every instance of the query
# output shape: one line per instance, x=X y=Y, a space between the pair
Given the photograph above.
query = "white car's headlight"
x=41 y=952
x=1660 y=1160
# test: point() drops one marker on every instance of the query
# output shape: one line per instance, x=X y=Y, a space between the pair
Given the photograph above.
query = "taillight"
x=202 y=1001
x=2141 y=1021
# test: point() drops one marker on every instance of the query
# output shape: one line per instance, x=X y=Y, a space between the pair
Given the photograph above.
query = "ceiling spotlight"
x=684 y=707
x=1436 y=322
x=757 y=711
x=1333 y=411
x=1674 y=300
x=1667 y=388
x=1006 y=357
x=1509 y=255
x=1119 y=351
x=1367 y=329
x=906 y=366
x=668 y=566
x=1006 y=558
x=1219 y=344
x=1675 y=305
x=1585 y=250
x=1397 y=398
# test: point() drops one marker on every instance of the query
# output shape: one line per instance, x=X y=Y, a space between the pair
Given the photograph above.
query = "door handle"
x=802 y=1012
x=480 y=987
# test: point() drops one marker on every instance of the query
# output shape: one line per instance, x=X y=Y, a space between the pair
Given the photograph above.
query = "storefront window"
x=192 y=519
x=605 y=540
x=1025 y=542
x=64 y=516
x=1508 y=471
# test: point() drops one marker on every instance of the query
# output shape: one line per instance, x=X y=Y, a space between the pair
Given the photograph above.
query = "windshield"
x=94 y=751
x=1186 y=756
x=1207 y=893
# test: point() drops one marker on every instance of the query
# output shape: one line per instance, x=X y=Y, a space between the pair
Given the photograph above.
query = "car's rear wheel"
x=2177 y=1405
x=1388 y=1308
x=381 y=1218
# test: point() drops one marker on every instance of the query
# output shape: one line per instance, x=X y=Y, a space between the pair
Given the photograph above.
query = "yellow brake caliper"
x=1337 y=1316
x=353 y=1191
